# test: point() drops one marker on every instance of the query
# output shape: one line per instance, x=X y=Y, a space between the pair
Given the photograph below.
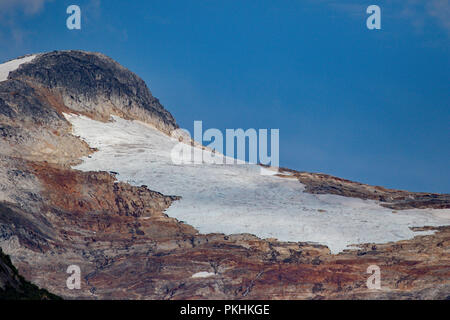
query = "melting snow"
x=203 y=274
x=237 y=198
x=12 y=65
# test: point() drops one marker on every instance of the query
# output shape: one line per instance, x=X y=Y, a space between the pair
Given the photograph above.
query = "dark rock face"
x=35 y=96
x=32 y=125
x=94 y=84
x=19 y=100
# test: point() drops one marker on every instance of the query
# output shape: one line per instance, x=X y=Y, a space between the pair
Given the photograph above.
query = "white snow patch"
x=237 y=198
x=203 y=274
x=12 y=65
x=268 y=171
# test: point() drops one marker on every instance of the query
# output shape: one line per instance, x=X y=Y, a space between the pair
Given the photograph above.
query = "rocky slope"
x=52 y=216
x=319 y=183
x=95 y=85
x=34 y=97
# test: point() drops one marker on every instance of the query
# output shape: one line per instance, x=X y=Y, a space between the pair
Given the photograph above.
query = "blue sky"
x=371 y=106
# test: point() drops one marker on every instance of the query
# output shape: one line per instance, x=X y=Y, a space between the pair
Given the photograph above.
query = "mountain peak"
x=96 y=85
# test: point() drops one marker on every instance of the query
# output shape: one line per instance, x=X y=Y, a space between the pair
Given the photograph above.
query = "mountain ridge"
x=87 y=81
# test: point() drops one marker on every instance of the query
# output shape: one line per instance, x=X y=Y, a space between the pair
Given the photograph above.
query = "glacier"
x=236 y=198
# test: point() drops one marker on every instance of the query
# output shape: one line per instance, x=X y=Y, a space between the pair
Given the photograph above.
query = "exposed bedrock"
x=319 y=183
x=32 y=126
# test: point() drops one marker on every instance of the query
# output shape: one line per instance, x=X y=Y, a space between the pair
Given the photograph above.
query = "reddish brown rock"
x=128 y=248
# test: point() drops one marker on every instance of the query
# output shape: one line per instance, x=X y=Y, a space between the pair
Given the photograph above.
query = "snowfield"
x=12 y=65
x=203 y=274
x=237 y=198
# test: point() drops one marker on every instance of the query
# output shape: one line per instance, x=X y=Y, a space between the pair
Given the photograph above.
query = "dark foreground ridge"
x=14 y=287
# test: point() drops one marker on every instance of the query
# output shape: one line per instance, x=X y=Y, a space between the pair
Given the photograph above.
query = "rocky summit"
x=55 y=213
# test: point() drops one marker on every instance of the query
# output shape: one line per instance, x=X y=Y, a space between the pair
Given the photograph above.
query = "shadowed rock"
x=94 y=84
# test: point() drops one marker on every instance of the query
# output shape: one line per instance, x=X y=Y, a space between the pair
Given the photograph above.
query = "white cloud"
x=440 y=10
x=29 y=7
x=10 y=29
